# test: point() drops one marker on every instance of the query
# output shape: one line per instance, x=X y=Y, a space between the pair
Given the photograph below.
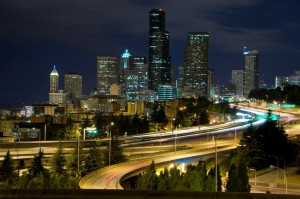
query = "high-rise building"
x=196 y=62
x=136 y=76
x=159 y=58
x=124 y=67
x=55 y=96
x=139 y=65
x=73 y=85
x=54 y=80
x=106 y=74
x=251 y=74
x=237 y=78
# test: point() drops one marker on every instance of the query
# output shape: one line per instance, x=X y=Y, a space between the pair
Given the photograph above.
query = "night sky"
x=35 y=35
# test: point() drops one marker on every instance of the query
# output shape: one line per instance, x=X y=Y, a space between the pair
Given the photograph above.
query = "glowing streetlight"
x=109 y=151
x=285 y=179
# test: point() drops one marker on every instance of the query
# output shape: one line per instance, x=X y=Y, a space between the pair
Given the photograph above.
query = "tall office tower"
x=124 y=67
x=106 y=74
x=54 y=79
x=180 y=82
x=237 y=78
x=73 y=85
x=159 y=58
x=196 y=62
x=251 y=74
x=139 y=64
x=55 y=96
x=136 y=76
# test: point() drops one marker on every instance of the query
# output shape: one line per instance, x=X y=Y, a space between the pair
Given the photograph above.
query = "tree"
x=204 y=117
x=233 y=181
x=37 y=166
x=238 y=180
x=58 y=161
x=93 y=161
x=148 y=180
x=258 y=145
x=116 y=155
x=7 y=171
x=159 y=117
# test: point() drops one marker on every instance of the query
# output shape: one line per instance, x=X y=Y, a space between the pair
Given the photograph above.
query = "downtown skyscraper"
x=159 y=58
x=251 y=74
x=196 y=62
x=106 y=74
x=73 y=85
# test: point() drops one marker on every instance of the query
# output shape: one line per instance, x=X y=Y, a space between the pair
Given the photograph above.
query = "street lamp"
x=253 y=169
x=109 y=150
x=277 y=164
x=78 y=153
x=285 y=179
x=216 y=162
x=175 y=140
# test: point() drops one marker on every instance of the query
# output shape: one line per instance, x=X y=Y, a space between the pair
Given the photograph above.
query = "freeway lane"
x=110 y=177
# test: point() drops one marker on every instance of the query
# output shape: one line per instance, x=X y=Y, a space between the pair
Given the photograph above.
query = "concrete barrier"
x=132 y=194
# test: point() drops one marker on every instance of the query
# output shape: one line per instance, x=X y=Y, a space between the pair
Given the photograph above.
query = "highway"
x=110 y=177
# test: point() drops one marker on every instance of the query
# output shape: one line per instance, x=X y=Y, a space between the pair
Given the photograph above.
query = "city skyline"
x=35 y=36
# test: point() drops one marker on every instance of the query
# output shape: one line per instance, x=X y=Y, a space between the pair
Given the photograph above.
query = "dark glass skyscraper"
x=196 y=62
x=159 y=58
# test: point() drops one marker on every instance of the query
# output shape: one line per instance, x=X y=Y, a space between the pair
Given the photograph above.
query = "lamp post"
x=285 y=179
x=216 y=162
x=78 y=153
x=109 y=150
x=277 y=164
x=253 y=169
x=175 y=140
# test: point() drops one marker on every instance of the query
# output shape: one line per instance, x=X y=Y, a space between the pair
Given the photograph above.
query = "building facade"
x=251 y=73
x=55 y=96
x=159 y=58
x=106 y=74
x=123 y=68
x=196 y=62
x=237 y=78
x=73 y=85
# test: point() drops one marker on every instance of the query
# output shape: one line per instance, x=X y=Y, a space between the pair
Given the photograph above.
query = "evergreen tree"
x=7 y=171
x=212 y=179
x=259 y=144
x=93 y=161
x=243 y=177
x=233 y=180
x=116 y=155
x=201 y=168
x=37 y=166
x=174 y=178
x=58 y=161
x=204 y=117
x=148 y=180
x=238 y=180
